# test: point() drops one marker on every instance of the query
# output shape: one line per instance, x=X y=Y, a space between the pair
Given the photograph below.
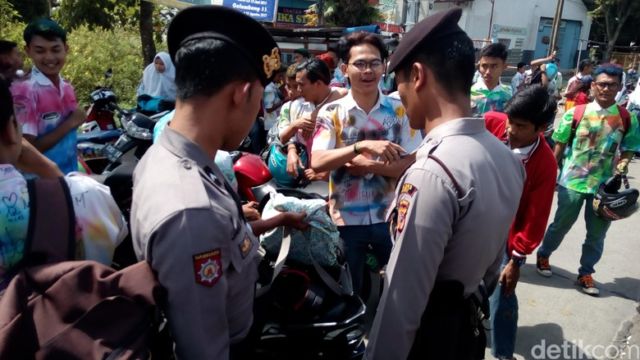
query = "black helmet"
x=611 y=204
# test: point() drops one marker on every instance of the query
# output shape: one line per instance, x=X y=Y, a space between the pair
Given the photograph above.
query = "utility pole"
x=493 y=4
x=556 y=27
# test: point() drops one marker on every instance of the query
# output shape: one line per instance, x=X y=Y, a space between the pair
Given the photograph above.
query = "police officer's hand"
x=386 y=151
x=509 y=278
x=294 y=220
x=250 y=211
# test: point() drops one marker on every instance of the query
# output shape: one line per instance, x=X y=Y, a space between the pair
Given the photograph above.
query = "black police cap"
x=248 y=36
x=433 y=29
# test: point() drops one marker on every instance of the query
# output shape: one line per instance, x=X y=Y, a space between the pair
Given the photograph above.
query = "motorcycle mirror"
x=108 y=73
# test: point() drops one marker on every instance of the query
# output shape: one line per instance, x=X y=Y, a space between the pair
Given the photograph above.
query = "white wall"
x=520 y=18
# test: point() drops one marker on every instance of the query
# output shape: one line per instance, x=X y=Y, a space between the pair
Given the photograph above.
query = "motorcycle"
x=303 y=319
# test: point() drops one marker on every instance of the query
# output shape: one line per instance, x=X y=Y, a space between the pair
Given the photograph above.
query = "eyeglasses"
x=603 y=85
x=362 y=65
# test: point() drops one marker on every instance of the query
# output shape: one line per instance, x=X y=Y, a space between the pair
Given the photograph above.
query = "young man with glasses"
x=363 y=139
x=593 y=141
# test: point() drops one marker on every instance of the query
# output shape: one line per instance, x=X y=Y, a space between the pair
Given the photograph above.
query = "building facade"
x=523 y=25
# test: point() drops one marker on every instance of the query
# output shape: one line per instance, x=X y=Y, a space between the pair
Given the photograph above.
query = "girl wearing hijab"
x=158 y=79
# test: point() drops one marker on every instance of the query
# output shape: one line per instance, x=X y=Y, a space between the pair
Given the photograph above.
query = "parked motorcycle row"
x=300 y=317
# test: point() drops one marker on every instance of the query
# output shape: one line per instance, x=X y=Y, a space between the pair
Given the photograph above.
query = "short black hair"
x=496 y=50
x=584 y=64
x=361 y=38
x=6 y=104
x=334 y=47
x=7 y=46
x=532 y=104
x=317 y=70
x=452 y=61
x=521 y=64
x=205 y=66
x=46 y=28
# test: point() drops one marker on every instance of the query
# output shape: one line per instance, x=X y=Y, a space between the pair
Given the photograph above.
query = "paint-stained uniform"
x=196 y=240
x=361 y=200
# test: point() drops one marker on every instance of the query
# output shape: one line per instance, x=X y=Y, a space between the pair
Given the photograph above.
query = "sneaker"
x=588 y=285
x=543 y=267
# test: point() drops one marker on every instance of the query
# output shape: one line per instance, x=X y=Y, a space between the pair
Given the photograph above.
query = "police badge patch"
x=207 y=267
x=403 y=207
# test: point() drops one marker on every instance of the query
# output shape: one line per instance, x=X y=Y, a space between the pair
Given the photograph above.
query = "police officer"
x=186 y=220
x=453 y=206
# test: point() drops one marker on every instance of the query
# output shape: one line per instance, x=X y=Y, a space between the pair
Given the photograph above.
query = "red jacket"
x=530 y=222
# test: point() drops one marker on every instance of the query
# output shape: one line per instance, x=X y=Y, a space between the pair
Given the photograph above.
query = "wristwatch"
x=519 y=261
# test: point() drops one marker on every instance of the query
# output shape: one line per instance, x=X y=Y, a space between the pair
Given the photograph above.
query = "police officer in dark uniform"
x=186 y=220
x=453 y=206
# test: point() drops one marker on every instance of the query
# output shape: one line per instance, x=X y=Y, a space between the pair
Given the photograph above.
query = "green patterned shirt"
x=590 y=156
x=484 y=100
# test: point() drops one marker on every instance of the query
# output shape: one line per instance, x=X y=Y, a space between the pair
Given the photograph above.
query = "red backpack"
x=578 y=114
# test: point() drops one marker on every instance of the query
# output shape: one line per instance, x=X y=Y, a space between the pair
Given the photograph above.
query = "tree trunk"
x=146 y=32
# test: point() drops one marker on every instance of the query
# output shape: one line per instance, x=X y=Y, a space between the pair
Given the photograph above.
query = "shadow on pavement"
x=625 y=287
x=546 y=341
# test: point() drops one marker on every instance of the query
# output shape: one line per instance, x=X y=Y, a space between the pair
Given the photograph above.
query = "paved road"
x=554 y=312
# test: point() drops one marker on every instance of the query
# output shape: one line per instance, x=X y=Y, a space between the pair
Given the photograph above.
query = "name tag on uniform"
x=207 y=267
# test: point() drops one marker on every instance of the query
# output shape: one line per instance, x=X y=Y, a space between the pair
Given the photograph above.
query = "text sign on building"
x=261 y=10
x=291 y=16
x=508 y=30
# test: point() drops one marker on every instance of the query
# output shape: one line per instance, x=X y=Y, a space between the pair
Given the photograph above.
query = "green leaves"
x=92 y=52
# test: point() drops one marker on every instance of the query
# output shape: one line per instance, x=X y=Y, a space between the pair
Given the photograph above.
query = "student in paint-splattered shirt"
x=98 y=222
x=361 y=139
x=488 y=94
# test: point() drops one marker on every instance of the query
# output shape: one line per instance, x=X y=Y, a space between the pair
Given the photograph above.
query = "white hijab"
x=157 y=84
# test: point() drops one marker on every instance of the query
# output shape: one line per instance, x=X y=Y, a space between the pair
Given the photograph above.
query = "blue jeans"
x=569 y=204
x=504 y=320
x=357 y=239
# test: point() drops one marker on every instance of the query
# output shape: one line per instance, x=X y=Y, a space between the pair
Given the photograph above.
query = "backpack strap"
x=626 y=118
x=578 y=113
x=52 y=222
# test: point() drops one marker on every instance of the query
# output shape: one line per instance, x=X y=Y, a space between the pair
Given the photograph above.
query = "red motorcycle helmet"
x=250 y=171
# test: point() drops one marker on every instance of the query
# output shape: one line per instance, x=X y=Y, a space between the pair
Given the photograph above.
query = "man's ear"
x=343 y=68
x=241 y=93
x=419 y=76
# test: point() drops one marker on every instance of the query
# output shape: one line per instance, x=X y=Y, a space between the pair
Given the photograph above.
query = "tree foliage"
x=342 y=13
x=93 y=51
x=105 y=14
x=31 y=9
x=612 y=16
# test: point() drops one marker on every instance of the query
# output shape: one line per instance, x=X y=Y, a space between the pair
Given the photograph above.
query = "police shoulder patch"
x=409 y=189
x=207 y=267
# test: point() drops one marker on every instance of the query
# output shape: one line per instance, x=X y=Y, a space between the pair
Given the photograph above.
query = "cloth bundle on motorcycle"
x=320 y=243
x=58 y=309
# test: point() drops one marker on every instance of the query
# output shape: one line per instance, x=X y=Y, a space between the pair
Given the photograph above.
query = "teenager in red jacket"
x=527 y=116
